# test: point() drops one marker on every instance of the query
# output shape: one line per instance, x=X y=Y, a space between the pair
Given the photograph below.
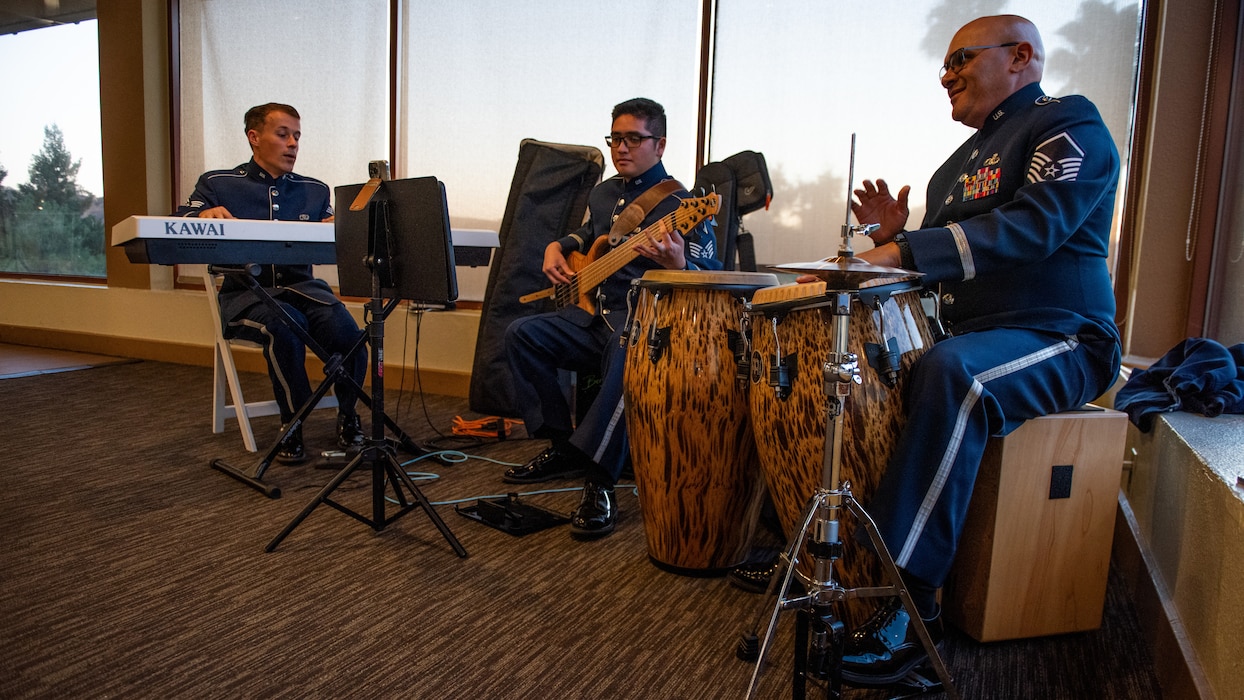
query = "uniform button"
x=949 y=199
x=948 y=299
x=621 y=202
x=615 y=217
x=276 y=207
x=275 y=192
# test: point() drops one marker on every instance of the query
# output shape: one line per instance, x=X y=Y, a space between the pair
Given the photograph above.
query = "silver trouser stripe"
x=965 y=251
x=956 y=439
x=613 y=424
x=276 y=367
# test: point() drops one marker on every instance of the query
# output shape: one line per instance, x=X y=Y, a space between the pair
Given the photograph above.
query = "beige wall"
x=1189 y=520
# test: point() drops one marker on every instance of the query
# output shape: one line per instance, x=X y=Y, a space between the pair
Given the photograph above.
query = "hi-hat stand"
x=334 y=371
x=377 y=453
x=820 y=633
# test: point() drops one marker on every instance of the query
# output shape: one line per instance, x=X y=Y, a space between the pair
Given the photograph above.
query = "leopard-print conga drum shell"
x=691 y=442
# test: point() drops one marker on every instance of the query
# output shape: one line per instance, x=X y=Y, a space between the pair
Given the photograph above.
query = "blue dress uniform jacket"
x=1018 y=222
x=249 y=192
x=1016 y=237
x=572 y=339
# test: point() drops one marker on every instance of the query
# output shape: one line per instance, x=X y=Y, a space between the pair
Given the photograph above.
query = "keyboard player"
x=267 y=187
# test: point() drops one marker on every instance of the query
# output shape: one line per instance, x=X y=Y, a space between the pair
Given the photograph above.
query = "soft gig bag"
x=548 y=200
x=742 y=183
x=753 y=187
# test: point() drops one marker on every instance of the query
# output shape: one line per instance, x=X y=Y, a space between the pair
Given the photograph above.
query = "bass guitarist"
x=583 y=334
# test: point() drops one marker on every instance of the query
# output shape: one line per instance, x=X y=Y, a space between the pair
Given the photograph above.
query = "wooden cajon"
x=1035 y=551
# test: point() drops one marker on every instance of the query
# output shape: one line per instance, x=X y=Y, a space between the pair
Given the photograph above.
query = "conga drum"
x=792 y=339
x=695 y=465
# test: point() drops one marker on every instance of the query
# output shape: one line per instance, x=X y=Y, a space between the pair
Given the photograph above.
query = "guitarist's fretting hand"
x=667 y=252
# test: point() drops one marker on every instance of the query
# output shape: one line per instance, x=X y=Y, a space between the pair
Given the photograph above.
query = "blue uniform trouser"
x=964 y=390
x=537 y=347
x=331 y=325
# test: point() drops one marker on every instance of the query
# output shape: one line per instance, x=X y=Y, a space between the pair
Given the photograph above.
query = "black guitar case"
x=548 y=200
x=742 y=182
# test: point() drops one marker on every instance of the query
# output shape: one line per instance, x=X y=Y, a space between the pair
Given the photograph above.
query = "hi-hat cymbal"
x=840 y=272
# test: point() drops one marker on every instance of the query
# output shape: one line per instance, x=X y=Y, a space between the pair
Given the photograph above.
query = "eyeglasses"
x=959 y=58
x=632 y=140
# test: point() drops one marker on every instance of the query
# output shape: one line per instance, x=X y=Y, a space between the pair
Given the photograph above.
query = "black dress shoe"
x=754 y=576
x=291 y=451
x=597 y=512
x=349 y=431
x=886 y=648
x=553 y=463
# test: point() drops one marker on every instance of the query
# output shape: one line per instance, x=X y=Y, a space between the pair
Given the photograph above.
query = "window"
x=479 y=78
x=1225 y=323
x=327 y=59
x=51 y=168
x=796 y=83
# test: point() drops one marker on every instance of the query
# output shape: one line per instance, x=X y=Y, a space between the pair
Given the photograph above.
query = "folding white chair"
x=225 y=377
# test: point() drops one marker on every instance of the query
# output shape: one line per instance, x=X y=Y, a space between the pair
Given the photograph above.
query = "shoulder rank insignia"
x=1059 y=158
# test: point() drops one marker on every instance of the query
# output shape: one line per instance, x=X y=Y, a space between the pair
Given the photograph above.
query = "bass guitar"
x=598 y=264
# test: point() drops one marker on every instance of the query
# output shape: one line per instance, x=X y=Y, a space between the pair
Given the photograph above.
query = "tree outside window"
x=51 y=191
x=50 y=225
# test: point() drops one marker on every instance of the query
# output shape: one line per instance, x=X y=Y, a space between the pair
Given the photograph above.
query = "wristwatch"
x=907 y=261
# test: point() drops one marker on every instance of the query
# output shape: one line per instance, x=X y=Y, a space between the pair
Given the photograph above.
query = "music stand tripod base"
x=376 y=452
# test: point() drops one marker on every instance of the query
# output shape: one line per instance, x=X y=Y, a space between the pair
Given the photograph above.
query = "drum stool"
x=1035 y=551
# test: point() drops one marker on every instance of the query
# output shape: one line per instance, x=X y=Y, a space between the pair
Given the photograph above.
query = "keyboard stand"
x=334 y=371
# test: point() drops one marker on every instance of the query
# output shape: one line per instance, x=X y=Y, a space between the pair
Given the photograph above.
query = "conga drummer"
x=1015 y=241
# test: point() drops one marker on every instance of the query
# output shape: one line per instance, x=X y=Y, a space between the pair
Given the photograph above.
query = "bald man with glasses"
x=1015 y=242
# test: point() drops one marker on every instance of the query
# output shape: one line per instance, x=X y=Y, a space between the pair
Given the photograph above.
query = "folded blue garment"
x=1198 y=375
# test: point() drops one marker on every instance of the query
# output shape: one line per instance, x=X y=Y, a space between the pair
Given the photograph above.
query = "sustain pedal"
x=512 y=515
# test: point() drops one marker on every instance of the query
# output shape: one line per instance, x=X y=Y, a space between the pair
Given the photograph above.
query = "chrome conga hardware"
x=627 y=328
x=658 y=338
x=741 y=344
x=782 y=370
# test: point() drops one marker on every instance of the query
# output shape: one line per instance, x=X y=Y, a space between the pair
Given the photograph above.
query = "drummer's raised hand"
x=877 y=206
x=555 y=267
x=667 y=252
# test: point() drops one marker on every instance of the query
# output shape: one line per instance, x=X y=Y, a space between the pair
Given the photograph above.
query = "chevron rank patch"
x=1057 y=159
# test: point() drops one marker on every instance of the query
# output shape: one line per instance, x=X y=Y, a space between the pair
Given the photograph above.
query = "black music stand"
x=406 y=221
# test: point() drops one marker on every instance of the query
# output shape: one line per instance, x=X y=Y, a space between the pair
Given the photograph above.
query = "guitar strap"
x=633 y=215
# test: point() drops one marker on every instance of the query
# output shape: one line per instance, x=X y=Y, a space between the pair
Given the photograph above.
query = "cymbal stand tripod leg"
x=820 y=633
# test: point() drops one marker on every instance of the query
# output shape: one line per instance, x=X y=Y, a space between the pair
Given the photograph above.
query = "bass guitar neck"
x=589 y=271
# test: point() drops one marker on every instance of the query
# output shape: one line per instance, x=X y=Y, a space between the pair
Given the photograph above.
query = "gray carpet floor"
x=130 y=568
